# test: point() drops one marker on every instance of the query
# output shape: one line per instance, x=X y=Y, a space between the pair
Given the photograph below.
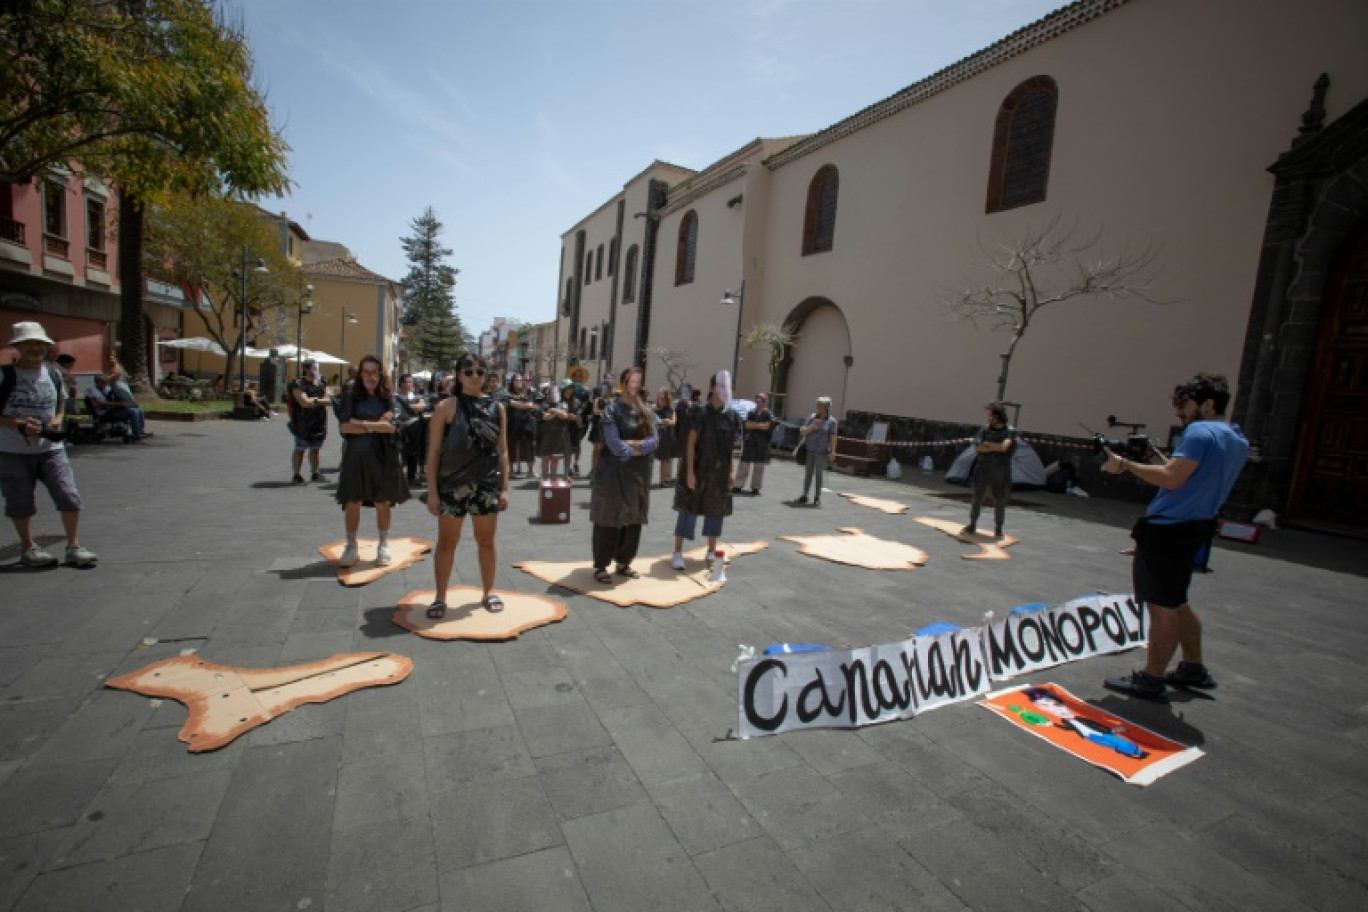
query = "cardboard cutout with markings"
x=225 y=701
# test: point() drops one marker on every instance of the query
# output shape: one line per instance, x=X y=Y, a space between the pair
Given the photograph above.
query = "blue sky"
x=514 y=119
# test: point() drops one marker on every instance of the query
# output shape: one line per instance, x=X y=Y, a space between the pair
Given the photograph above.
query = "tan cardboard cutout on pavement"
x=886 y=506
x=660 y=585
x=860 y=550
x=990 y=548
x=225 y=701
x=467 y=619
x=403 y=552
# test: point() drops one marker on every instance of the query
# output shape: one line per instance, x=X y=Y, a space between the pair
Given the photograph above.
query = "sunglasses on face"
x=472 y=372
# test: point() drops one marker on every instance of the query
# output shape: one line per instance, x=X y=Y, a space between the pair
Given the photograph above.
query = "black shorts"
x=1164 y=557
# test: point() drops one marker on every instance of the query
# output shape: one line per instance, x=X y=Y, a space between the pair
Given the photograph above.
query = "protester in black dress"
x=522 y=425
x=621 y=498
x=413 y=414
x=467 y=466
x=706 y=478
x=755 y=448
x=665 y=429
x=307 y=399
x=558 y=421
x=371 y=472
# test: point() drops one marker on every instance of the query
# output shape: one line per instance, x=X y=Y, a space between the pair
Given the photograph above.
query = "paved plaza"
x=587 y=764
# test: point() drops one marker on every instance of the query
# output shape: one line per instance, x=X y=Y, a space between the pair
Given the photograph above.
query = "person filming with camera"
x=1193 y=484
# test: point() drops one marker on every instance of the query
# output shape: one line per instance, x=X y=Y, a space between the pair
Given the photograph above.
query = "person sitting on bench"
x=112 y=404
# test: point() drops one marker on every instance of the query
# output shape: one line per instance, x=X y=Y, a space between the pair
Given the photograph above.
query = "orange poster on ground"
x=1134 y=753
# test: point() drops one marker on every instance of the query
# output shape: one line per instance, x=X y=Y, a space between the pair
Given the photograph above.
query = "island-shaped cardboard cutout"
x=854 y=547
x=990 y=547
x=659 y=585
x=403 y=553
x=467 y=619
x=225 y=701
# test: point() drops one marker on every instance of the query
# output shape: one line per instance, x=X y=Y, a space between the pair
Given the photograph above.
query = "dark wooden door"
x=1330 y=482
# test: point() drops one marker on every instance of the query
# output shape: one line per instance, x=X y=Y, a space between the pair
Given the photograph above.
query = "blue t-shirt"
x=1219 y=449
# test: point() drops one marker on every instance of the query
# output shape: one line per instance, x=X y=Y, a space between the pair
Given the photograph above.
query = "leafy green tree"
x=153 y=95
x=440 y=340
x=198 y=242
x=430 y=294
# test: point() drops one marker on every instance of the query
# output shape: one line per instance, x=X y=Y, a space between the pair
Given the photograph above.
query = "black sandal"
x=628 y=572
x=437 y=610
x=603 y=576
x=493 y=604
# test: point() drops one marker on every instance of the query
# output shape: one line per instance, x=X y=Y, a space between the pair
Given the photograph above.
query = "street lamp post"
x=242 y=333
x=304 y=306
x=739 y=299
x=347 y=317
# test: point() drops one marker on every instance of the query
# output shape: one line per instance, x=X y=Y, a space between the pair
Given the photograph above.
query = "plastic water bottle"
x=719 y=567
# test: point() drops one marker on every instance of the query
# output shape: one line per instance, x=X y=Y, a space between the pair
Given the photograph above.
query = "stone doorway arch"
x=819 y=361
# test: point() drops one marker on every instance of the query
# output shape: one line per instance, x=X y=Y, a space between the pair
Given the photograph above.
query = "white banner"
x=850 y=688
x=1087 y=626
x=853 y=687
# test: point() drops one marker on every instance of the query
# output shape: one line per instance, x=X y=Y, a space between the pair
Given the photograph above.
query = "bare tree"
x=1046 y=265
x=676 y=367
x=776 y=339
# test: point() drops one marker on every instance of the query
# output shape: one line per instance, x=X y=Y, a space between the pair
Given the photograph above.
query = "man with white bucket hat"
x=31 y=449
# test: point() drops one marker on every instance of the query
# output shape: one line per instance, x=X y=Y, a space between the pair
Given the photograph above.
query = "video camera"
x=1136 y=447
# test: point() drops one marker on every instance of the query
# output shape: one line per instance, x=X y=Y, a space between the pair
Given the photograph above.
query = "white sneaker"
x=37 y=557
x=677 y=561
x=79 y=556
x=349 y=556
x=382 y=556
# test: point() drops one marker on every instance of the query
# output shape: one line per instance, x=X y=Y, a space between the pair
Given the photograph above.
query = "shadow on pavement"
x=316 y=570
x=378 y=625
x=1157 y=717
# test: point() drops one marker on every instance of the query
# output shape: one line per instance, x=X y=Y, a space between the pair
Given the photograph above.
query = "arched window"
x=1022 y=140
x=612 y=256
x=819 y=224
x=598 y=270
x=686 y=250
x=629 y=271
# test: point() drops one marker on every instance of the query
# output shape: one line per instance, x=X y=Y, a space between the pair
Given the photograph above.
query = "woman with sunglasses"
x=372 y=472
x=467 y=466
x=621 y=497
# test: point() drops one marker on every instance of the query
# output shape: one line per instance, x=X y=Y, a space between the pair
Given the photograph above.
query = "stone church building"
x=1227 y=140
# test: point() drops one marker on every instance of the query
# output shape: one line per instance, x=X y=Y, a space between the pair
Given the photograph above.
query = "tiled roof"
x=342 y=268
x=1019 y=42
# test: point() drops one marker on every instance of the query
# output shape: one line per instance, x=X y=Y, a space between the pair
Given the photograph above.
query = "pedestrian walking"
x=32 y=406
x=993 y=444
x=620 y=501
x=705 y=483
x=755 y=446
x=371 y=474
x=467 y=467
x=819 y=445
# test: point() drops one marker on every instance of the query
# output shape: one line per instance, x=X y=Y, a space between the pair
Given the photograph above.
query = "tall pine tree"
x=431 y=321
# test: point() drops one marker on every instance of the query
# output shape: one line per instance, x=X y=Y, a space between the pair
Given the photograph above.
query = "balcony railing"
x=57 y=246
x=11 y=231
x=97 y=258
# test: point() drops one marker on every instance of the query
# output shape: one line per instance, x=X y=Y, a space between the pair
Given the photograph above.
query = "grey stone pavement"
x=584 y=765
